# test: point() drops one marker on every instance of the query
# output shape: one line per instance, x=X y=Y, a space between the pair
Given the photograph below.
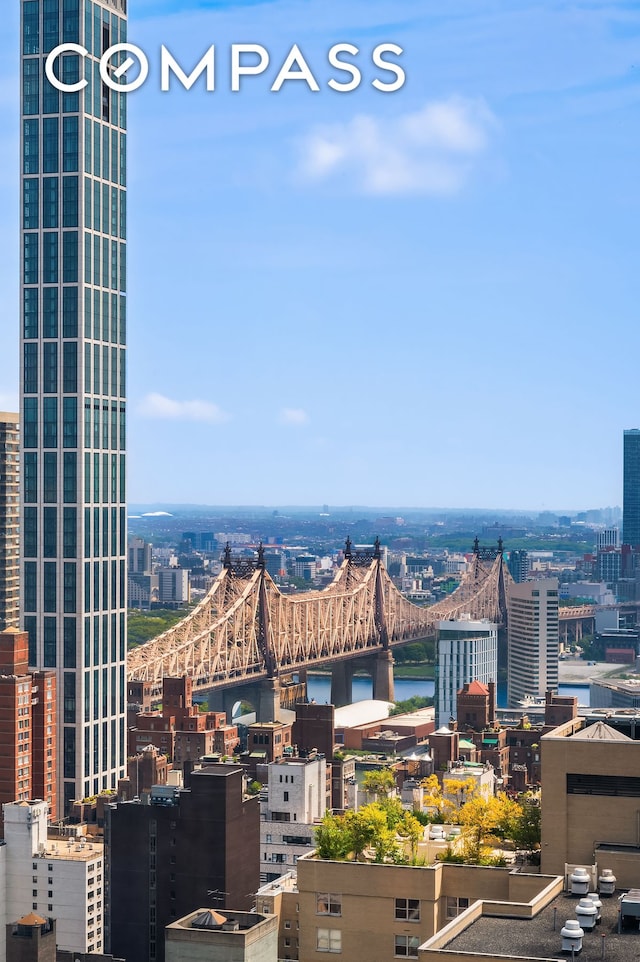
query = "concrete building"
x=207 y=935
x=173 y=586
x=622 y=694
x=590 y=787
x=533 y=642
x=31 y=939
x=61 y=878
x=466 y=651
x=27 y=725
x=296 y=800
x=9 y=520
x=189 y=847
x=139 y=557
x=73 y=388
x=631 y=488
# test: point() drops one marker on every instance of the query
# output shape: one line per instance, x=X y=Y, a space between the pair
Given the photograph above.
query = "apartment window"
x=328 y=903
x=406 y=946
x=408 y=910
x=455 y=906
x=329 y=940
x=286 y=796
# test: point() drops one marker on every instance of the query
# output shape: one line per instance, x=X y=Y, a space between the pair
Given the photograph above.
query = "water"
x=319 y=688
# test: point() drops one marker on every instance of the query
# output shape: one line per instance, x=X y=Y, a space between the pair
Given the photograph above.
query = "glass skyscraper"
x=73 y=337
x=631 y=488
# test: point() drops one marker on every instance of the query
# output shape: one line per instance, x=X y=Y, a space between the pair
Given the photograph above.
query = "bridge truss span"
x=246 y=629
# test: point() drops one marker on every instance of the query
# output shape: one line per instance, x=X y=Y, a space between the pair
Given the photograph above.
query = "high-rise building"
x=73 y=336
x=467 y=651
x=631 y=488
x=532 y=640
x=190 y=847
x=519 y=565
x=9 y=520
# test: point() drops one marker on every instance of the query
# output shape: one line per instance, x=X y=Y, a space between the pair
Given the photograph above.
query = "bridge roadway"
x=246 y=632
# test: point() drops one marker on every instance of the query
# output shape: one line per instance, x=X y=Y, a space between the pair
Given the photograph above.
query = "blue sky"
x=423 y=298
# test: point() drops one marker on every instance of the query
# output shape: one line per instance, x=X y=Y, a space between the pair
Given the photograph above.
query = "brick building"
x=27 y=725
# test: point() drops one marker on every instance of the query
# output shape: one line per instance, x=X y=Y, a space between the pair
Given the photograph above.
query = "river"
x=319 y=688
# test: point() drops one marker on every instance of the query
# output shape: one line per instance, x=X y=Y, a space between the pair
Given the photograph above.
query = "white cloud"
x=159 y=406
x=295 y=416
x=431 y=151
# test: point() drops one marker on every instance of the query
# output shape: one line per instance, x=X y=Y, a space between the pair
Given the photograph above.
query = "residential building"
x=9 y=520
x=381 y=912
x=61 y=878
x=590 y=787
x=73 y=386
x=466 y=651
x=532 y=640
x=631 y=488
x=291 y=808
x=519 y=565
x=180 y=729
x=187 y=847
x=27 y=725
x=207 y=935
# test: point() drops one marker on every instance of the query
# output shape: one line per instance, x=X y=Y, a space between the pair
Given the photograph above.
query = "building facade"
x=533 y=640
x=190 y=847
x=27 y=725
x=467 y=651
x=73 y=339
x=61 y=878
x=631 y=488
x=519 y=565
x=9 y=520
x=296 y=801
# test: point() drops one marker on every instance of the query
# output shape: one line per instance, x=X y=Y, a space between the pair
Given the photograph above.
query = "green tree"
x=379 y=781
x=332 y=840
x=526 y=828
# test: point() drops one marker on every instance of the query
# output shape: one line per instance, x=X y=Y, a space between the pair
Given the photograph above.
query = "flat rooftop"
x=536 y=939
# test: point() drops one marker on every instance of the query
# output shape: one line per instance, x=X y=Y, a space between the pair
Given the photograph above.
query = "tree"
x=332 y=840
x=442 y=808
x=460 y=789
x=485 y=820
x=380 y=781
x=526 y=829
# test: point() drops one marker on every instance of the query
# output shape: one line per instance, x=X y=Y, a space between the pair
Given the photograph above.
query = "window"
x=328 y=903
x=329 y=940
x=408 y=910
x=406 y=946
x=455 y=906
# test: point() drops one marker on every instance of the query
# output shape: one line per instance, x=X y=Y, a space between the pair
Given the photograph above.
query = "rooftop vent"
x=579 y=881
x=571 y=937
x=606 y=883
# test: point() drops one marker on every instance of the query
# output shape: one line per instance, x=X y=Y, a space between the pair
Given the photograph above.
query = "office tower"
x=519 y=565
x=532 y=640
x=9 y=520
x=189 y=847
x=73 y=279
x=467 y=651
x=631 y=488
x=27 y=725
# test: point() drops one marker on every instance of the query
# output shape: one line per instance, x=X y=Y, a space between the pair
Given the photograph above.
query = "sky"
x=426 y=297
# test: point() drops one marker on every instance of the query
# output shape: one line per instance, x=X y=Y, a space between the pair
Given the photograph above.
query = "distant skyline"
x=421 y=298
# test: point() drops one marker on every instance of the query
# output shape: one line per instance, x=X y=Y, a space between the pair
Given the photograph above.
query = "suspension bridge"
x=245 y=631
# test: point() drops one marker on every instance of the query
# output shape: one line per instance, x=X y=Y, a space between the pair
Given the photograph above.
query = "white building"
x=294 y=802
x=532 y=640
x=467 y=651
x=60 y=878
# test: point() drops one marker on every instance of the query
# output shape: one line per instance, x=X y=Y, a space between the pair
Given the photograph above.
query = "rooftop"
x=600 y=732
x=536 y=939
